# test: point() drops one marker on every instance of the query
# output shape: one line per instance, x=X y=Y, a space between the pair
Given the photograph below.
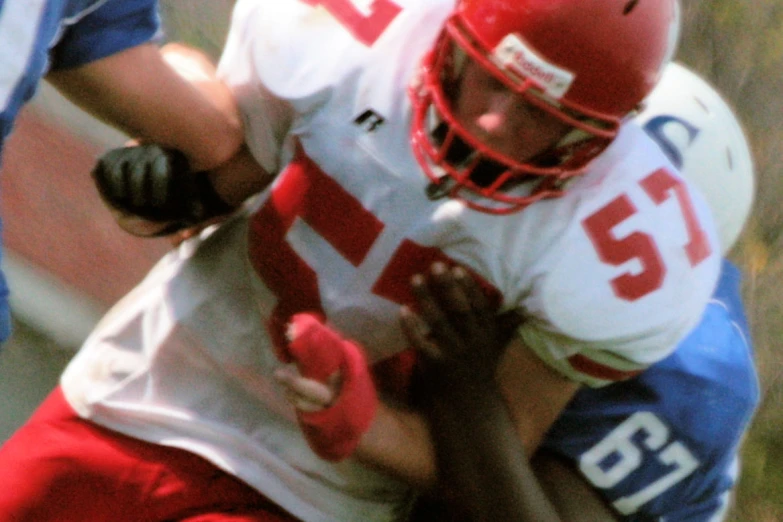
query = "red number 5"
x=366 y=28
x=659 y=186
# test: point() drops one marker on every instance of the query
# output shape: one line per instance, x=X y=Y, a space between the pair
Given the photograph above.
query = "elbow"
x=216 y=145
x=220 y=151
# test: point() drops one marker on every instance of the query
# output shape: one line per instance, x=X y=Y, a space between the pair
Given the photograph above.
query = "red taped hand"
x=318 y=351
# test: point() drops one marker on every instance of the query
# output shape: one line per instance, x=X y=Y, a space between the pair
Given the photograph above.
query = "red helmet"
x=587 y=62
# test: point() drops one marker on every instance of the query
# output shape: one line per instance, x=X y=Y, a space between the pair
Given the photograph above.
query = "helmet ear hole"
x=629 y=6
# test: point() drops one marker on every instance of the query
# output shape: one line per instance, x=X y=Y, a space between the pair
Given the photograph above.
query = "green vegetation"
x=738 y=46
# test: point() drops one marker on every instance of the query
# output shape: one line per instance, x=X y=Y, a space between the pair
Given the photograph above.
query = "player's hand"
x=459 y=334
x=332 y=388
x=151 y=183
x=142 y=180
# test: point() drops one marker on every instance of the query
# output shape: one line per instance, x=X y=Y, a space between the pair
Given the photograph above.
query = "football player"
x=101 y=55
x=482 y=133
x=662 y=445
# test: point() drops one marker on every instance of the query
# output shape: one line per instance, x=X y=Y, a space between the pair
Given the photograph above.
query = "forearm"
x=240 y=177
x=137 y=92
x=481 y=461
x=491 y=479
x=398 y=443
x=576 y=499
x=171 y=98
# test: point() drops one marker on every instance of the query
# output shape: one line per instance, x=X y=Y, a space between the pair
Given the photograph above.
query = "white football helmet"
x=701 y=134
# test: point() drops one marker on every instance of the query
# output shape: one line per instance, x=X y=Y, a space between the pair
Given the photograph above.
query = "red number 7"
x=659 y=186
x=366 y=28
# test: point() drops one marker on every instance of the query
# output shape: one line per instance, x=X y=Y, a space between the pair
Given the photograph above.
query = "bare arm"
x=170 y=96
x=533 y=393
x=399 y=443
x=173 y=98
x=481 y=464
x=468 y=437
x=138 y=92
x=482 y=467
x=575 y=499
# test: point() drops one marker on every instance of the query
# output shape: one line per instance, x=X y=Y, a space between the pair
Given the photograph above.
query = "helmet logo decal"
x=514 y=56
x=655 y=129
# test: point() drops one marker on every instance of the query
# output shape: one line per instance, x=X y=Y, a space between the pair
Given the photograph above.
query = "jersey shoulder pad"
x=632 y=269
x=298 y=48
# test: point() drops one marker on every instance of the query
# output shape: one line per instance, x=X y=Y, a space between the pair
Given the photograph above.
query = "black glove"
x=156 y=184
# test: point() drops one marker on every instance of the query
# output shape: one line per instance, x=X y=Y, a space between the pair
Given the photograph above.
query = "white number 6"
x=628 y=455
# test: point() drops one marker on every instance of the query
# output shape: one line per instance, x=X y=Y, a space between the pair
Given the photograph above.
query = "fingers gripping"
x=453 y=306
x=156 y=184
x=418 y=334
x=137 y=180
x=307 y=394
x=436 y=315
x=457 y=330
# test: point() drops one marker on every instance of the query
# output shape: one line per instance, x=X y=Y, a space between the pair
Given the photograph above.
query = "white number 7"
x=619 y=443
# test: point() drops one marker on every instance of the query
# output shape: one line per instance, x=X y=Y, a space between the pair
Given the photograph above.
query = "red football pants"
x=61 y=468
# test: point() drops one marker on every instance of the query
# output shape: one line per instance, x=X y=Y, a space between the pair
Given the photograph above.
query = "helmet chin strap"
x=436 y=190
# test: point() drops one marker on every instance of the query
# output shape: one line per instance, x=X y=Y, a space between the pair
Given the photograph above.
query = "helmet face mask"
x=448 y=150
x=468 y=167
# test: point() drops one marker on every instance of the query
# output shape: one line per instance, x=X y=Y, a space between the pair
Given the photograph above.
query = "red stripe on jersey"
x=589 y=367
x=411 y=258
x=327 y=207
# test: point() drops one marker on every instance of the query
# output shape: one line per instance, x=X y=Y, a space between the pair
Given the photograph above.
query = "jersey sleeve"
x=269 y=64
x=664 y=445
x=628 y=275
x=105 y=28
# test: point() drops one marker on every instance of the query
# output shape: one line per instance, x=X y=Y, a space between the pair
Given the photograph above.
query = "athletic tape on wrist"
x=334 y=432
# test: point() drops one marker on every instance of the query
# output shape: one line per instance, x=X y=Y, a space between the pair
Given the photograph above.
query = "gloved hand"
x=156 y=184
x=347 y=403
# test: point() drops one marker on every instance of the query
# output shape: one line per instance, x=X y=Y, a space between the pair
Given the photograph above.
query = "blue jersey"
x=41 y=35
x=664 y=445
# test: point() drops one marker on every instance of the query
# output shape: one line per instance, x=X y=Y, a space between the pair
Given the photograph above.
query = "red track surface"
x=53 y=216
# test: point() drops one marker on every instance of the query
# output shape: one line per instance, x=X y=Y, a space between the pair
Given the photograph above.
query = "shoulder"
x=297 y=47
x=316 y=67
x=631 y=262
x=689 y=410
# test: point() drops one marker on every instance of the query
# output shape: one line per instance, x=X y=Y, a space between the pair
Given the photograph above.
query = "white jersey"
x=610 y=276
